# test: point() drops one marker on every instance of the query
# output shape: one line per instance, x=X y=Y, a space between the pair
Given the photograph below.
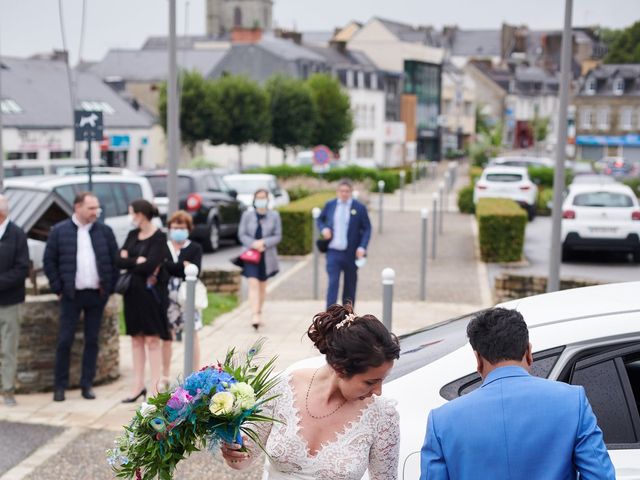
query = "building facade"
x=225 y=15
x=607 y=113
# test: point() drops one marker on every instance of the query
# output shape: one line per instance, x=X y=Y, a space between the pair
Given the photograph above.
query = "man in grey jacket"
x=14 y=269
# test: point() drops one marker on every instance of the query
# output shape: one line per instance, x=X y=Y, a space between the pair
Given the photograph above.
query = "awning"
x=631 y=140
x=36 y=211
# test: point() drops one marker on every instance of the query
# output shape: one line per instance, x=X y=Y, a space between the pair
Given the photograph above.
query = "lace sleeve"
x=383 y=456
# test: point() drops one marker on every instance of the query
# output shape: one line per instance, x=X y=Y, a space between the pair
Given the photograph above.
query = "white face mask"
x=261 y=203
x=361 y=262
x=133 y=221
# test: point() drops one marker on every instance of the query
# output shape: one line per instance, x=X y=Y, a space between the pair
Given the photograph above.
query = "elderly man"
x=14 y=269
x=79 y=262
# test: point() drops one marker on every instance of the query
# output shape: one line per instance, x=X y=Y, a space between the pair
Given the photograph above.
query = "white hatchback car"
x=507 y=182
x=587 y=336
x=246 y=185
x=601 y=217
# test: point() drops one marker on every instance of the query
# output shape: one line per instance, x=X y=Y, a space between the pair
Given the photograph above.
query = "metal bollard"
x=441 y=192
x=447 y=189
x=315 y=214
x=434 y=225
x=388 y=279
x=416 y=174
x=380 y=204
x=433 y=169
x=424 y=214
x=403 y=174
x=191 y=277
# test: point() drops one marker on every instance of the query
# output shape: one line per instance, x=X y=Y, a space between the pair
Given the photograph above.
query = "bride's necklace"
x=306 y=401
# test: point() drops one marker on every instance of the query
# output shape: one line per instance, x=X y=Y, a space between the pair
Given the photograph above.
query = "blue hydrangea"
x=207 y=380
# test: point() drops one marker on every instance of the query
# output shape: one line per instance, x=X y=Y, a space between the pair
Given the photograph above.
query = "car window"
x=104 y=192
x=68 y=192
x=211 y=183
x=504 y=177
x=132 y=191
x=611 y=383
x=247 y=186
x=543 y=363
x=159 y=185
x=603 y=199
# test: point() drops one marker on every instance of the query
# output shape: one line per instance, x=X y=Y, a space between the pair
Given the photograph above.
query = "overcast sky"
x=33 y=26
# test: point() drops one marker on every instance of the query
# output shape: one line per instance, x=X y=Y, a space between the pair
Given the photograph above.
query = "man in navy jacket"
x=79 y=262
x=14 y=268
x=345 y=222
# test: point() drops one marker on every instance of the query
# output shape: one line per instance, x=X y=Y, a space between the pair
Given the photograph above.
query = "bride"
x=335 y=424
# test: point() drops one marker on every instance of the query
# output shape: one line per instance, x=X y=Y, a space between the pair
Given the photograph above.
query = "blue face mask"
x=261 y=203
x=178 y=235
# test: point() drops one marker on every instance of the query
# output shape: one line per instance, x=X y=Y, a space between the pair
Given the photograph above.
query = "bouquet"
x=219 y=403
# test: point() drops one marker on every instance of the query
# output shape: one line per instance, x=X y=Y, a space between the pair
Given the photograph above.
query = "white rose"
x=147 y=409
x=245 y=396
x=221 y=403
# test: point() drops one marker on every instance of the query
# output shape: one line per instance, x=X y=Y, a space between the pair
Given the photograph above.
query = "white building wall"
x=367 y=107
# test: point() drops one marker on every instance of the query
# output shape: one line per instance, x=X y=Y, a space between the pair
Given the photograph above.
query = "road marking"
x=42 y=454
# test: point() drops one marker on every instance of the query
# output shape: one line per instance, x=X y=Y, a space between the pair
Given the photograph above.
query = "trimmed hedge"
x=297 y=224
x=543 y=176
x=501 y=223
x=634 y=183
x=545 y=195
x=475 y=173
x=391 y=177
x=465 y=200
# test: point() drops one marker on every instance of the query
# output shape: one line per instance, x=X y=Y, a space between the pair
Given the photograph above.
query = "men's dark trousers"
x=92 y=304
x=338 y=262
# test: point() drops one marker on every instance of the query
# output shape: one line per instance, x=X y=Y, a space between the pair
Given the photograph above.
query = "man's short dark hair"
x=80 y=196
x=345 y=181
x=499 y=334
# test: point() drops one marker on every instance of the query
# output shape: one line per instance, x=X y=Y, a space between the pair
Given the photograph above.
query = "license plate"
x=603 y=229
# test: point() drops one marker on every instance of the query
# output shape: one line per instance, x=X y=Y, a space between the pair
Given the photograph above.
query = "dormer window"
x=618 y=86
x=590 y=87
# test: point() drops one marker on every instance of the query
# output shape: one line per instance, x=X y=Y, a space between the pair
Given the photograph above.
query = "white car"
x=115 y=192
x=246 y=185
x=587 y=336
x=507 y=182
x=601 y=217
x=522 y=161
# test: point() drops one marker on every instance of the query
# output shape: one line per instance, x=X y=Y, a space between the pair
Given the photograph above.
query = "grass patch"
x=219 y=304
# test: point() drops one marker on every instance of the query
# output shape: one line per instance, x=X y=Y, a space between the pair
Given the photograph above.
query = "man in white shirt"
x=79 y=262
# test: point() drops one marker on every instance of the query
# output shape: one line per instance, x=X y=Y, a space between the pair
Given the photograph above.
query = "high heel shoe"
x=143 y=393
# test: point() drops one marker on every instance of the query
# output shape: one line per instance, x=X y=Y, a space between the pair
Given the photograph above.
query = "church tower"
x=224 y=15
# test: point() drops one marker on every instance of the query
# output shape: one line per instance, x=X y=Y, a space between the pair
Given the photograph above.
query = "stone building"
x=225 y=15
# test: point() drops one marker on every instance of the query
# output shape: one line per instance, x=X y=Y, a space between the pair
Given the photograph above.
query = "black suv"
x=204 y=194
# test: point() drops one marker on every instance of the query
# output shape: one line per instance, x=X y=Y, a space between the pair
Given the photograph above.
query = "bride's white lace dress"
x=372 y=442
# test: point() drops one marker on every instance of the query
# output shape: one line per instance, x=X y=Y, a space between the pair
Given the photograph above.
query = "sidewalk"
x=456 y=284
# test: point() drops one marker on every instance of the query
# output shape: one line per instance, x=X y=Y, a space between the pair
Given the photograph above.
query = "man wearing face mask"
x=183 y=252
x=345 y=223
x=79 y=261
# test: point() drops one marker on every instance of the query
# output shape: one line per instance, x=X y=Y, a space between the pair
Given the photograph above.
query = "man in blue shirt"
x=345 y=222
x=515 y=426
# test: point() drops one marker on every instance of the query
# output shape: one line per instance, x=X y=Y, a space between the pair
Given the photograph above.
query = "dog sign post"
x=88 y=127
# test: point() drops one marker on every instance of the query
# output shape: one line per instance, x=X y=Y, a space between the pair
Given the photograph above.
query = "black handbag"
x=323 y=245
x=123 y=283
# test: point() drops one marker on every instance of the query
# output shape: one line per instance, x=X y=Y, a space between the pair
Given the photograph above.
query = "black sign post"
x=88 y=126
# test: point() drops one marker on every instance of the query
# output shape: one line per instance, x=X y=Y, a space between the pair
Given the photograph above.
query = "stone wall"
x=38 y=339
x=511 y=287
x=221 y=281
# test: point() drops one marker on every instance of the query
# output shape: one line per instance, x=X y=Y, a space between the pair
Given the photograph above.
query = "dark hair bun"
x=352 y=344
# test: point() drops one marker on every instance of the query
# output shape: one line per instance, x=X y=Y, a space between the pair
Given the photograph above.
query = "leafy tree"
x=540 y=128
x=245 y=107
x=624 y=46
x=292 y=113
x=334 y=122
x=193 y=111
x=482 y=121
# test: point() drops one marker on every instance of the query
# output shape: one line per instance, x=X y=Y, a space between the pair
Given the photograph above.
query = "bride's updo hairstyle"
x=352 y=344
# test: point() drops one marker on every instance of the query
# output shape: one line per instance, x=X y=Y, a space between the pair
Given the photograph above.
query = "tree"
x=292 y=113
x=540 y=128
x=482 y=121
x=334 y=122
x=193 y=111
x=624 y=45
x=245 y=107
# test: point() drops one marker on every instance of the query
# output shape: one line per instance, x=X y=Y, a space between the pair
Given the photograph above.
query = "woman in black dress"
x=182 y=253
x=145 y=301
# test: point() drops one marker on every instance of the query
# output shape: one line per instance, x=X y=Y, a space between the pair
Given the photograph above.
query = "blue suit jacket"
x=359 y=231
x=516 y=427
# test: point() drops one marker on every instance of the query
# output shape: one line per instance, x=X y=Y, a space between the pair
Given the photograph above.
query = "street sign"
x=88 y=126
x=321 y=159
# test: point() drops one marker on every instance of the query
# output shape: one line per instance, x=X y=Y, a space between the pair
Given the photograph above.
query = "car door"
x=611 y=380
x=228 y=207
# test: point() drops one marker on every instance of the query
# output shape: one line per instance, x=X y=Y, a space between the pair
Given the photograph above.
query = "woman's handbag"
x=251 y=256
x=202 y=298
x=123 y=283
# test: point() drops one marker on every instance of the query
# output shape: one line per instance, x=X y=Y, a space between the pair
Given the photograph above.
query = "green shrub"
x=298 y=193
x=634 y=183
x=465 y=200
x=501 y=224
x=545 y=195
x=543 y=176
x=474 y=173
x=297 y=224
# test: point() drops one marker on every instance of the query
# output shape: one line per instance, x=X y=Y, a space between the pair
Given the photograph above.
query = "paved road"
x=19 y=440
x=601 y=267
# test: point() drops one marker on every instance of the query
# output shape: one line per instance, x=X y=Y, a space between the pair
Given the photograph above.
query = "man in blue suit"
x=345 y=222
x=515 y=426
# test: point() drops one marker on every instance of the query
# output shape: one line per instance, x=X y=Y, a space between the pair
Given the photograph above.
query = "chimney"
x=241 y=35
x=296 y=37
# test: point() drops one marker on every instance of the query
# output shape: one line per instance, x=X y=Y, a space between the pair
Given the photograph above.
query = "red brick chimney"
x=246 y=35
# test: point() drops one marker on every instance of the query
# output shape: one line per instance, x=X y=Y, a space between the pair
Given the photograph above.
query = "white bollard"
x=380 y=204
x=315 y=214
x=388 y=279
x=191 y=277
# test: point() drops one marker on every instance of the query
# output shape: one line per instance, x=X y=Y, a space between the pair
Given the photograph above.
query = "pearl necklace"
x=306 y=401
